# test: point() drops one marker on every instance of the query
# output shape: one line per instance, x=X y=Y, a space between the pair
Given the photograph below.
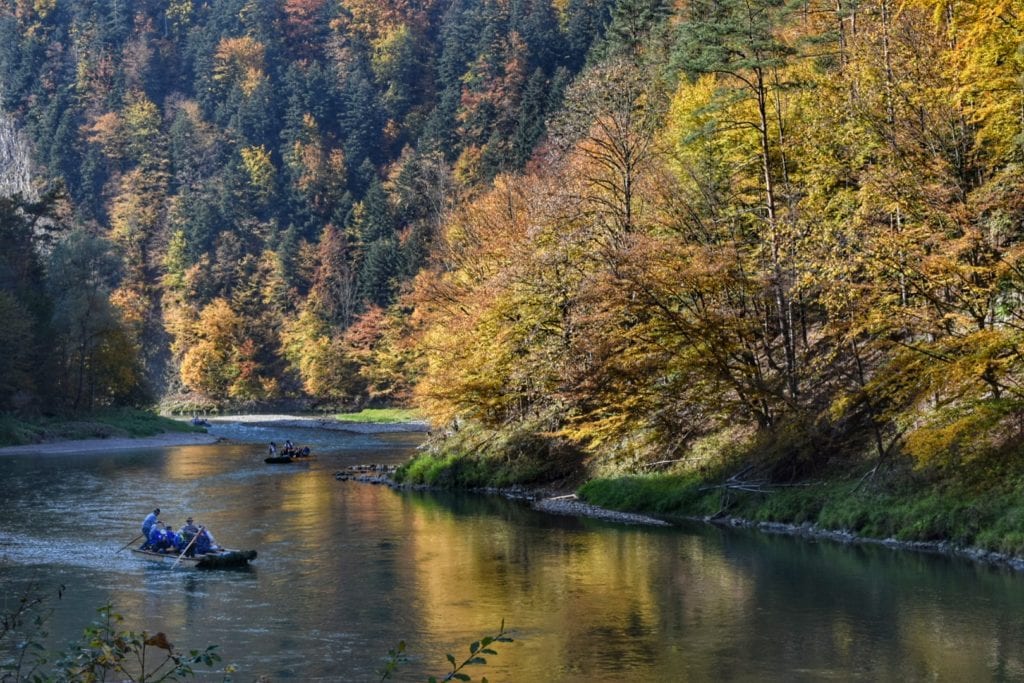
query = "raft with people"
x=284 y=459
x=192 y=544
x=222 y=558
x=288 y=454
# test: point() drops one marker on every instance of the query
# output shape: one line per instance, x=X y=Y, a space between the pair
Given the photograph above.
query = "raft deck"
x=219 y=559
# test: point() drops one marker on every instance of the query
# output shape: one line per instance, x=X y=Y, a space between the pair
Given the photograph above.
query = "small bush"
x=15 y=432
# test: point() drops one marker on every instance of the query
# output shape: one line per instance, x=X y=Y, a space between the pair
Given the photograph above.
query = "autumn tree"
x=97 y=360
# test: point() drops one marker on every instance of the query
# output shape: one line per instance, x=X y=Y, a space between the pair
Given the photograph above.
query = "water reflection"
x=346 y=570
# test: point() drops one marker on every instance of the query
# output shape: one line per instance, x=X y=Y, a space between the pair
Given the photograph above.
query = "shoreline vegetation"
x=555 y=502
x=977 y=514
x=104 y=425
x=909 y=524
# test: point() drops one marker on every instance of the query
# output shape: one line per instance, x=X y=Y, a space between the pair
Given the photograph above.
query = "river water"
x=346 y=570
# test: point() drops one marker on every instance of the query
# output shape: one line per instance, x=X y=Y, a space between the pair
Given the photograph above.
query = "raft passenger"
x=187 y=533
x=147 y=526
x=204 y=542
x=157 y=540
x=189 y=530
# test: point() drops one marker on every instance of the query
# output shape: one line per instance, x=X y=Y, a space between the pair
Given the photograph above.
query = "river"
x=346 y=570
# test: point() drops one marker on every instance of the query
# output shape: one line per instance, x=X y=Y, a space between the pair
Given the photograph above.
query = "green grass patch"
x=380 y=415
x=660 y=493
x=469 y=471
x=111 y=423
x=143 y=422
x=906 y=509
x=14 y=432
x=476 y=458
x=425 y=469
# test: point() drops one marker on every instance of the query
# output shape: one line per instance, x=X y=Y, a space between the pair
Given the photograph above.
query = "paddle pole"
x=187 y=547
x=129 y=543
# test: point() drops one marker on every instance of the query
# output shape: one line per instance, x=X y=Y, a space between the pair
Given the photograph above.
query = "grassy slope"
x=123 y=422
x=474 y=458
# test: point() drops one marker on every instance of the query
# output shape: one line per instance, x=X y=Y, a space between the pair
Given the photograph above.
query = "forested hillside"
x=269 y=174
x=640 y=231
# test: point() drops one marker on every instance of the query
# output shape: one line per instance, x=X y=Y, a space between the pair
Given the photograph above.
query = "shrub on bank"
x=471 y=458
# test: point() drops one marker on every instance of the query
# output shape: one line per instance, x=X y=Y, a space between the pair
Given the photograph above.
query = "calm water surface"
x=347 y=570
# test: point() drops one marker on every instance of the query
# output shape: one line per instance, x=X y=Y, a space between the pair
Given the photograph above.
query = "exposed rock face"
x=15 y=160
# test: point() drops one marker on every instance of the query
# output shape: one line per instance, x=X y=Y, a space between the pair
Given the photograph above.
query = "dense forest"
x=631 y=231
x=270 y=175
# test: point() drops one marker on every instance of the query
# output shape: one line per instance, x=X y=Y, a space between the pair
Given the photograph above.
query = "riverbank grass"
x=473 y=458
x=112 y=423
x=903 y=507
x=380 y=416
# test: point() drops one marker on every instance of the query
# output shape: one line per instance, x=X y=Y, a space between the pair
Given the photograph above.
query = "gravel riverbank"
x=167 y=439
x=570 y=505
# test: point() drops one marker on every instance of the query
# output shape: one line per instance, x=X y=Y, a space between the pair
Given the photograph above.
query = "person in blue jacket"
x=170 y=539
x=204 y=543
x=147 y=526
x=162 y=540
x=156 y=540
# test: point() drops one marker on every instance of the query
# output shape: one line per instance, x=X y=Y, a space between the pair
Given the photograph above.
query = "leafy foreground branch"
x=104 y=651
x=138 y=656
x=477 y=649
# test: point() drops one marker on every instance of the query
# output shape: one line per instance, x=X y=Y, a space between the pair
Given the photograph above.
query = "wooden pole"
x=188 y=546
x=129 y=543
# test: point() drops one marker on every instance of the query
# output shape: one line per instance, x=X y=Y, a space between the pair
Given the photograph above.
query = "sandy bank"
x=115 y=444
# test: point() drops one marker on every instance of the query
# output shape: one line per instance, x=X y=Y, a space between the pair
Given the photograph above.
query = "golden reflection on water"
x=603 y=600
x=936 y=642
x=597 y=603
x=196 y=462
